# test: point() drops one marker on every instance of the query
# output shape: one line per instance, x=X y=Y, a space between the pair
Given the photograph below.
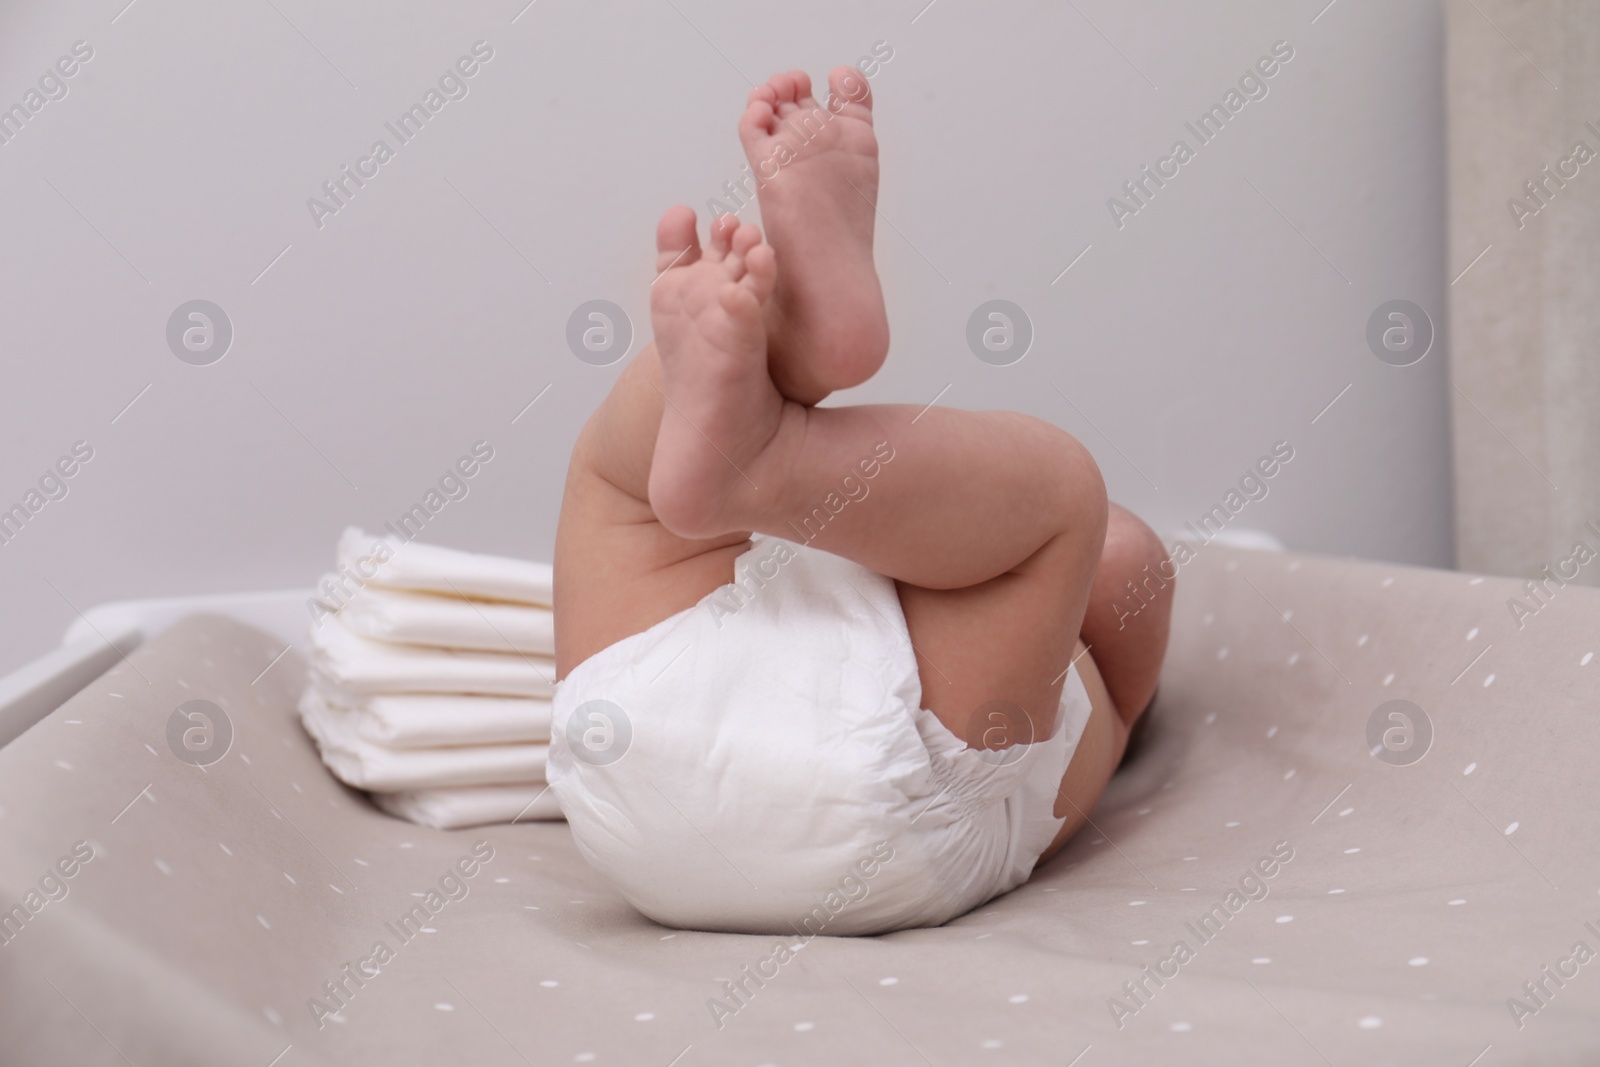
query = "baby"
x=827 y=669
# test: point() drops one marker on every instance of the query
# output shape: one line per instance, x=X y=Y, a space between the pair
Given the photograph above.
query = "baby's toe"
x=722 y=230
x=761 y=271
x=676 y=241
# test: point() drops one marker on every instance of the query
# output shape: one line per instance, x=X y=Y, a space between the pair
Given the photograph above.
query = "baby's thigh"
x=1099 y=751
x=1009 y=640
x=618 y=571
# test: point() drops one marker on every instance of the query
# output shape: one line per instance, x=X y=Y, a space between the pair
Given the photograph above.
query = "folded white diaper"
x=430 y=681
x=761 y=763
x=347 y=665
x=408 y=618
x=472 y=805
x=357 y=761
x=412 y=565
x=435 y=720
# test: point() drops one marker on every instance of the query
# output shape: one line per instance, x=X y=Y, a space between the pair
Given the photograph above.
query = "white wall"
x=380 y=347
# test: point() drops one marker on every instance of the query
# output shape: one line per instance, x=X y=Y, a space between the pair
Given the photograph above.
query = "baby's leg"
x=991 y=523
x=817 y=169
x=618 y=570
x=1130 y=611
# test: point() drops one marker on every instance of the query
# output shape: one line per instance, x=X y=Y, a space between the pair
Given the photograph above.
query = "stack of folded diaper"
x=431 y=676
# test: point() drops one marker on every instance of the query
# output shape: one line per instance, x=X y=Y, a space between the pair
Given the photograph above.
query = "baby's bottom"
x=994 y=526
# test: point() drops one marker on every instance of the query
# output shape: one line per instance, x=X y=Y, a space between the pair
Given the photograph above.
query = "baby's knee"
x=1133 y=545
x=1134 y=558
x=1073 y=477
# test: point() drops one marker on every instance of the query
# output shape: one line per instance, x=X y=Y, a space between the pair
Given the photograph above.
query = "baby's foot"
x=722 y=409
x=818 y=172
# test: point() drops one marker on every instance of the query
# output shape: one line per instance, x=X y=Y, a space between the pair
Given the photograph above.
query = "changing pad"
x=1409 y=899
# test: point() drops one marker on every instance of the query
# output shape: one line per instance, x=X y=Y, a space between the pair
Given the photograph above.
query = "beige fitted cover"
x=1419 y=900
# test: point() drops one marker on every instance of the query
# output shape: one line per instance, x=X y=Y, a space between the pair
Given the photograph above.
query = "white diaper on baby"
x=762 y=763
